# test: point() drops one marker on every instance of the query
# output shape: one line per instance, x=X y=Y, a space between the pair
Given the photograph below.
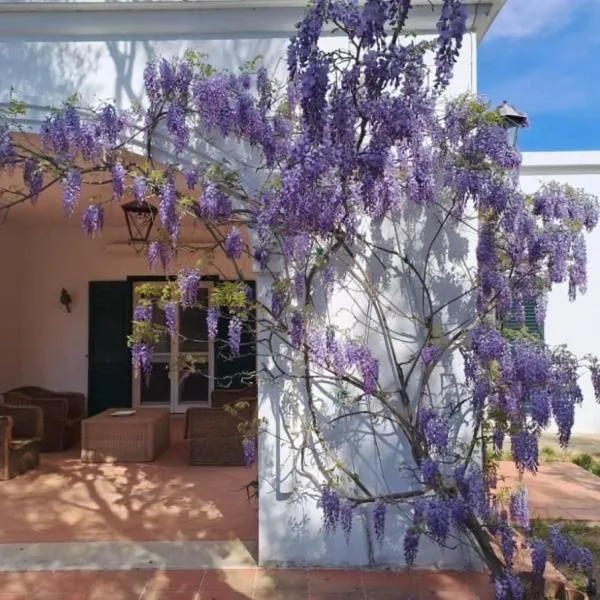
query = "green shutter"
x=531 y=324
x=530 y=320
x=532 y=327
x=235 y=372
x=109 y=359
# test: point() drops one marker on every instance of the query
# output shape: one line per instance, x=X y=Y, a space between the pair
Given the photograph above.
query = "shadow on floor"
x=165 y=500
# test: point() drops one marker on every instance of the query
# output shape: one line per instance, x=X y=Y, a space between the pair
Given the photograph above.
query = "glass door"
x=182 y=365
x=194 y=365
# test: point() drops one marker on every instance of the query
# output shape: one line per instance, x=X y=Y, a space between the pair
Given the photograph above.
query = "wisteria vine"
x=353 y=145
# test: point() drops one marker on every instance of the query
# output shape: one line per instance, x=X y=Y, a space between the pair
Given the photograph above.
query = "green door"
x=109 y=359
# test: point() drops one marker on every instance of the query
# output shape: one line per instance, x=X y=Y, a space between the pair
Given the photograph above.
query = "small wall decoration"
x=66 y=300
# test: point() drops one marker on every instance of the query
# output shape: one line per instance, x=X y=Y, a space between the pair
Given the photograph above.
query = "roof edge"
x=561 y=162
x=496 y=7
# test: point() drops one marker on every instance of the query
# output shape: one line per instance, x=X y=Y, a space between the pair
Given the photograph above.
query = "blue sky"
x=543 y=56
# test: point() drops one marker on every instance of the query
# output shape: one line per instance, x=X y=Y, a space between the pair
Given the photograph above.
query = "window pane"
x=193 y=386
x=163 y=346
x=193 y=330
x=158 y=389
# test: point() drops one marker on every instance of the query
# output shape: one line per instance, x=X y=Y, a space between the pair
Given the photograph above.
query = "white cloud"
x=525 y=18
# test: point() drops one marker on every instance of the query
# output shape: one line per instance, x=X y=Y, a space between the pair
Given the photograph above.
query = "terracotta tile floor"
x=257 y=584
x=560 y=490
x=165 y=500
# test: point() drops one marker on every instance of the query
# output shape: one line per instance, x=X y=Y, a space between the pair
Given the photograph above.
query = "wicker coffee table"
x=138 y=437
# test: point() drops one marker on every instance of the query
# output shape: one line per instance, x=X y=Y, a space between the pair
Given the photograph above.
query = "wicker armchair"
x=213 y=435
x=223 y=397
x=63 y=413
x=21 y=431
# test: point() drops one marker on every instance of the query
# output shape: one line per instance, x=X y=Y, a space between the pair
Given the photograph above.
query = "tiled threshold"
x=126 y=556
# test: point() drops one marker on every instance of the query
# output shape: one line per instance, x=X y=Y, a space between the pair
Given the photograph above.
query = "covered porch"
x=78 y=343
x=82 y=348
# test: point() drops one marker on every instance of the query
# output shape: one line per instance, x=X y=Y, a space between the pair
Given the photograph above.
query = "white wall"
x=573 y=323
x=289 y=501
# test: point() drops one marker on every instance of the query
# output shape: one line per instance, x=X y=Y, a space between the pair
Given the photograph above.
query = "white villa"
x=52 y=49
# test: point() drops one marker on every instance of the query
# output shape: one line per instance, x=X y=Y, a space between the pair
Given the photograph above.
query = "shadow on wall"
x=360 y=432
x=45 y=72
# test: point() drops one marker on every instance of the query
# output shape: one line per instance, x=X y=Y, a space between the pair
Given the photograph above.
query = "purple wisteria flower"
x=525 y=450
x=435 y=428
x=139 y=189
x=171 y=312
x=7 y=149
x=346 y=516
x=509 y=587
x=234 y=244
x=361 y=357
x=213 y=204
x=278 y=299
x=212 y=322
x=159 y=251
x=519 y=507
x=498 y=440
x=488 y=344
x=111 y=124
x=143 y=312
x=118 y=180
x=167 y=208
x=328 y=280
x=538 y=556
x=451 y=27
x=297 y=333
x=234 y=336
x=430 y=472
x=192 y=177
x=141 y=354
x=439 y=519
x=177 y=126
x=379 y=511
x=71 y=190
x=595 y=376
x=93 y=219
x=33 y=176
x=508 y=545
x=431 y=354
x=189 y=284
x=331 y=505
x=564 y=552
x=249 y=448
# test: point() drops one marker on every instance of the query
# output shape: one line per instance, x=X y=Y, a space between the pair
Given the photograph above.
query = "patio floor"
x=560 y=490
x=168 y=531
x=232 y=584
x=66 y=500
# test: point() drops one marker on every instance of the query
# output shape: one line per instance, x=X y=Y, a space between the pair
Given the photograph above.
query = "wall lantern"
x=140 y=219
x=512 y=121
x=65 y=299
